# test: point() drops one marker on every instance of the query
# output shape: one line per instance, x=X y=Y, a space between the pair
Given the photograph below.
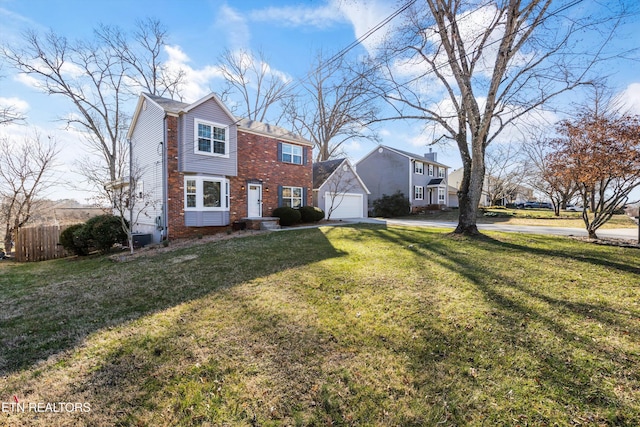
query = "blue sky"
x=289 y=32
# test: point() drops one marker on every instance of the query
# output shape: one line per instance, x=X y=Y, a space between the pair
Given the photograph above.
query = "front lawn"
x=350 y=325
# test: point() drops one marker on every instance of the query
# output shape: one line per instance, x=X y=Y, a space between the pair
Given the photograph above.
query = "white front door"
x=254 y=201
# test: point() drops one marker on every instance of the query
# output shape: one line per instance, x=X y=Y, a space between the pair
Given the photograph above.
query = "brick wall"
x=258 y=162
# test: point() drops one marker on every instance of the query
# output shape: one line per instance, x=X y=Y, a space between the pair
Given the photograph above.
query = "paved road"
x=613 y=233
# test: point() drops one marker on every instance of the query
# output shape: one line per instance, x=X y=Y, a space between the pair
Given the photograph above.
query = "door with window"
x=255 y=201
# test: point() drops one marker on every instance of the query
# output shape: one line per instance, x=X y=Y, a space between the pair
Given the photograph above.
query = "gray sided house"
x=421 y=179
x=338 y=190
x=182 y=158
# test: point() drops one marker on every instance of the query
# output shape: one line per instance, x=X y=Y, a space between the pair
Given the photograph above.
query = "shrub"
x=288 y=216
x=104 y=231
x=390 y=206
x=74 y=239
x=311 y=214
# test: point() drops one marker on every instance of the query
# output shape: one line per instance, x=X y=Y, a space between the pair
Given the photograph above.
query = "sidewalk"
x=609 y=233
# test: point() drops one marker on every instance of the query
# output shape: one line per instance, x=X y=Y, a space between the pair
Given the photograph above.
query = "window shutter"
x=279 y=151
x=304 y=156
x=304 y=191
x=279 y=191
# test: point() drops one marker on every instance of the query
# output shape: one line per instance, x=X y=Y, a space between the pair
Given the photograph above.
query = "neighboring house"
x=516 y=194
x=453 y=196
x=338 y=190
x=199 y=168
x=421 y=179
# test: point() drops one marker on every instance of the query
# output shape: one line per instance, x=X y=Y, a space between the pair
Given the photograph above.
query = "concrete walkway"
x=611 y=233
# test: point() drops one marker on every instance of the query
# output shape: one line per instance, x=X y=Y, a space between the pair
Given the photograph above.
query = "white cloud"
x=20 y=105
x=631 y=98
x=196 y=80
x=299 y=16
x=233 y=24
x=365 y=15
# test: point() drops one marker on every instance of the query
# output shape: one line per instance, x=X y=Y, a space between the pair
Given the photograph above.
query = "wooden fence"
x=39 y=243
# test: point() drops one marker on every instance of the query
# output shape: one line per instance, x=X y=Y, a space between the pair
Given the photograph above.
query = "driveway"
x=611 y=233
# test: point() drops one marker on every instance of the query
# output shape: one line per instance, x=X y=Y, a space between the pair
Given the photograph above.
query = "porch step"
x=262 y=223
x=269 y=225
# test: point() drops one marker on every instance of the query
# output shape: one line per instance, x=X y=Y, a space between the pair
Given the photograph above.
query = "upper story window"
x=430 y=170
x=441 y=172
x=291 y=153
x=211 y=138
x=206 y=193
x=418 y=167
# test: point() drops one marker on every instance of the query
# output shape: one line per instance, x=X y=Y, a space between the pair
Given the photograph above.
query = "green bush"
x=288 y=216
x=311 y=214
x=104 y=231
x=75 y=240
x=390 y=206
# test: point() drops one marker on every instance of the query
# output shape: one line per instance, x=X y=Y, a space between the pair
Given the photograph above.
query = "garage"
x=350 y=205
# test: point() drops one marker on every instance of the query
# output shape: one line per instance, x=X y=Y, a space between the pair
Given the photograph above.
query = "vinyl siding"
x=349 y=185
x=146 y=151
x=206 y=219
x=192 y=162
x=384 y=174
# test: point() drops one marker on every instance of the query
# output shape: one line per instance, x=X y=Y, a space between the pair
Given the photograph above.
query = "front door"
x=254 y=201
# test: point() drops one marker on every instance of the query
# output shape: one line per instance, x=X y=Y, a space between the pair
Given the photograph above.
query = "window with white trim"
x=440 y=172
x=441 y=198
x=291 y=153
x=430 y=170
x=210 y=138
x=418 y=192
x=292 y=197
x=418 y=168
x=203 y=193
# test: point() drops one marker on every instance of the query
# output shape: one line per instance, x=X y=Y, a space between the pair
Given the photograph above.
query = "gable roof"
x=171 y=106
x=405 y=154
x=168 y=105
x=322 y=171
x=272 y=131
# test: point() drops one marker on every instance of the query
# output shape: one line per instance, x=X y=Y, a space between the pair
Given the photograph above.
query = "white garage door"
x=345 y=206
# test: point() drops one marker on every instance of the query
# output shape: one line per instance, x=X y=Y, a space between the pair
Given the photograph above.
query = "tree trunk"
x=592 y=233
x=469 y=198
x=7 y=243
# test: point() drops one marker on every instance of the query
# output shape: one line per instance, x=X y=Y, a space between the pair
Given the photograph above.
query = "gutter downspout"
x=165 y=183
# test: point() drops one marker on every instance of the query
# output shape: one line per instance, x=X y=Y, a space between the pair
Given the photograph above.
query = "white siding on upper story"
x=146 y=153
x=192 y=162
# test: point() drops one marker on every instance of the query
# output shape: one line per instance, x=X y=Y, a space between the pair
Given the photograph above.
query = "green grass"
x=351 y=325
x=539 y=217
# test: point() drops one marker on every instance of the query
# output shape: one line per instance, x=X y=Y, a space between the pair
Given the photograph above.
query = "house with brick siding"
x=200 y=169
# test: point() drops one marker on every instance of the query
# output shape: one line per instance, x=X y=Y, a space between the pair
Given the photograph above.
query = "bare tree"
x=98 y=77
x=504 y=173
x=25 y=173
x=142 y=52
x=9 y=113
x=259 y=87
x=341 y=180
x=130 y=201
x=476 y=68
x=540 y=175
x=335 y=106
